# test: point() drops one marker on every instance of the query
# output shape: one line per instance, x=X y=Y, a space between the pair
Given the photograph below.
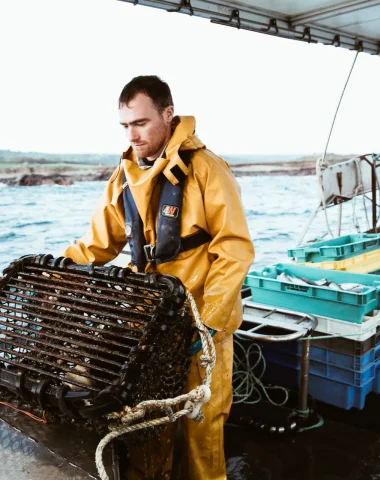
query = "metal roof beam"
x=332 y=11
x=249 y=17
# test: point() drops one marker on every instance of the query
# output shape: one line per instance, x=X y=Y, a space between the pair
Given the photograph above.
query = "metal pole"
x=340 y=185
x=339 y=225
x=373 y=185
x=304 y=375
x=313 y=215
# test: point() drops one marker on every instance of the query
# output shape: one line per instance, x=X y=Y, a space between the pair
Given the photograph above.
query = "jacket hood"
x=184 y=137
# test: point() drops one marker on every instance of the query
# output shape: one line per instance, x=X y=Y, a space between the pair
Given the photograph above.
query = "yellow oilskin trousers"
x=213 y=273
x=202 y=448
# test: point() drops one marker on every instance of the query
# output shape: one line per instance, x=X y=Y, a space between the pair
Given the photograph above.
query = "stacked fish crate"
x=345 y=351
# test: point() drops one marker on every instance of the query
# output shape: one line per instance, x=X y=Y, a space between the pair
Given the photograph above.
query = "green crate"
x=336 y=249
x=323 y=301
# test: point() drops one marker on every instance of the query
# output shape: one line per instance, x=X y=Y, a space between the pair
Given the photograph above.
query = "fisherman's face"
x=148 y=130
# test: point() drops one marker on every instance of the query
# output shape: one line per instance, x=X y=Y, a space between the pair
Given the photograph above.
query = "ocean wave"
x=33 y=224
x=263 y=213
x=7 y=236
x=275 y=236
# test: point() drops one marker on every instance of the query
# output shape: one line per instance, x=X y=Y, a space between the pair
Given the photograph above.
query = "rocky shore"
x=50 y=177
x=25 y=175
x=273 y=169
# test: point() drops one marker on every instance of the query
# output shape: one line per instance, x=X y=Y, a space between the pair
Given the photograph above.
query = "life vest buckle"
x=150 y=252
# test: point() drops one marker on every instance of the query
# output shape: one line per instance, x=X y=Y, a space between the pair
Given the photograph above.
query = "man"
x=179 y=206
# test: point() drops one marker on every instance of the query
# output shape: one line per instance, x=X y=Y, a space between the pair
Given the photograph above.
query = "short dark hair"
x=149 y=85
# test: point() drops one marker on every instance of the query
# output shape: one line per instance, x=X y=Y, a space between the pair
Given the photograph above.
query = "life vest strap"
x=187 y=243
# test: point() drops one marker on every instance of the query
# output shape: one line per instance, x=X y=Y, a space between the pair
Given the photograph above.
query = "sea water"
x=48 y=218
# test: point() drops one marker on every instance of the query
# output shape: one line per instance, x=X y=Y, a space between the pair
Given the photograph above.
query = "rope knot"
x=170 y=413
x=203 y=394
x=114 y=416
x=322 y=163
x=205 y=360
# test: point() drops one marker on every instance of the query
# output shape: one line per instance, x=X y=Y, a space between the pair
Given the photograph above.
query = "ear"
x=169 y=114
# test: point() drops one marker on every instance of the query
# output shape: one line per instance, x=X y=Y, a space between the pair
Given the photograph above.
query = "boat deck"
x=346 y=447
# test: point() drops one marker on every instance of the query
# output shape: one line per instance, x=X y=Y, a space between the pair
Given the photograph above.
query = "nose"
x=133 y=134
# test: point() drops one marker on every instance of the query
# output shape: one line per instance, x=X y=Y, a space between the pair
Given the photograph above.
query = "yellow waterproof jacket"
x=213 y=272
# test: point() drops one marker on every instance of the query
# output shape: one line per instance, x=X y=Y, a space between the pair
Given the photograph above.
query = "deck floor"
x=346 y=447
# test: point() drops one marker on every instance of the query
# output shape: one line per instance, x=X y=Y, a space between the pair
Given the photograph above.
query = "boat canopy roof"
x=352 y=24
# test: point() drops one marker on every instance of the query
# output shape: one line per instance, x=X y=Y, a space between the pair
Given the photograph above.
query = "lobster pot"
x=83 y=341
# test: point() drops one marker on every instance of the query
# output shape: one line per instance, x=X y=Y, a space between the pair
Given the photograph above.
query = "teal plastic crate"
x=323 y=301
x=336 y=249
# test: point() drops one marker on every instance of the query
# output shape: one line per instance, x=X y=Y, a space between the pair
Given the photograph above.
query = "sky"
x=63 y=64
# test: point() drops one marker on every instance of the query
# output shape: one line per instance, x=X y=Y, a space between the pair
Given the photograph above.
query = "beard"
x=153 y=142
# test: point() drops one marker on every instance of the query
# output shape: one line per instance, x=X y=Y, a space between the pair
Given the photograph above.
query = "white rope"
x=320 y=166
x=195 y=399
x=358 y=188
x=245 y=382
x=359 y=165
x=322 y=162
x=337 y=108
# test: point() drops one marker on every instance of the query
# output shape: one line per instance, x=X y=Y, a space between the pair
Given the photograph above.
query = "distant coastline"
x=27 y=169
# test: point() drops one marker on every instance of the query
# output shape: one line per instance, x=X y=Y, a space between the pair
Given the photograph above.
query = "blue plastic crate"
x=323 y=301
x=336 y=249
x=376 y=382
x=324 y=355
x=355 y=377
x=344 y=345
x=329 y=391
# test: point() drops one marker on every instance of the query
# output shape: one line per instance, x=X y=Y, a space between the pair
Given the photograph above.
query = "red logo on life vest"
x=169 y=211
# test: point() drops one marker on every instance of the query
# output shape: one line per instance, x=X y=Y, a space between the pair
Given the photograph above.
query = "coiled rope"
x=245 y=383
x=193 y=400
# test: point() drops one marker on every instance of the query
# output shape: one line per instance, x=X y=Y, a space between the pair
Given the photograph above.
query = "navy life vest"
x=168 y=236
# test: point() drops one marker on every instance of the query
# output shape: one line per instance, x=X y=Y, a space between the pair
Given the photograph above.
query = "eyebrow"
x=135 y=121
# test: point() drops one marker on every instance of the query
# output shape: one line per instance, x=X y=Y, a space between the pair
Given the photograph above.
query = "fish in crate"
x=83 y=342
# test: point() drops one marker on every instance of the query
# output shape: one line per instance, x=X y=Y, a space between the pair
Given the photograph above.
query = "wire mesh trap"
x=84 y=341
